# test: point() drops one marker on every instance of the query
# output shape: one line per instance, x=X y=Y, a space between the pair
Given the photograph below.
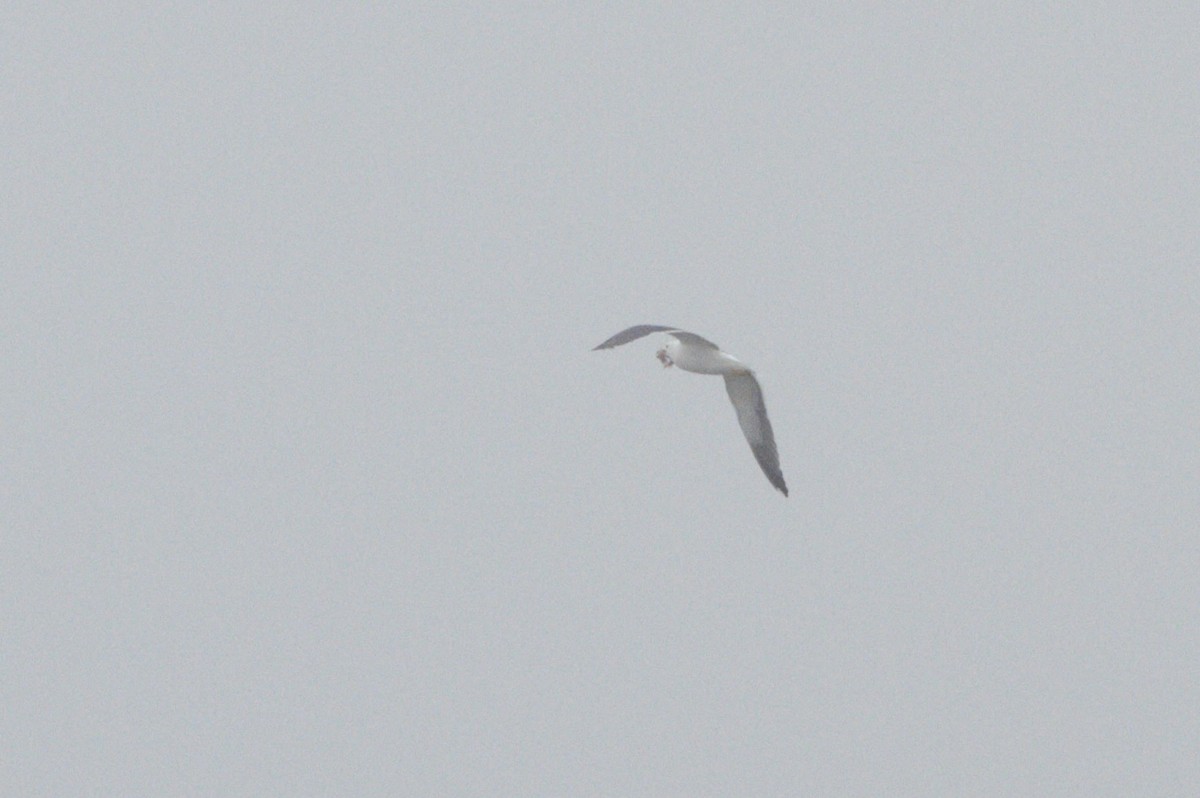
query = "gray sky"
x=311 y=484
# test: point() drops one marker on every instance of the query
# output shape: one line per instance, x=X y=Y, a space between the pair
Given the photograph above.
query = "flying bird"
x=692 y=353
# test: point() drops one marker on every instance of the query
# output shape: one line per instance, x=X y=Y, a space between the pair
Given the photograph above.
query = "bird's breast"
x=702 y=359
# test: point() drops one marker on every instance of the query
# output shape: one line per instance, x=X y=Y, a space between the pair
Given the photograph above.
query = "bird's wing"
x=632 y=334
x=695 y=340
x=640 y=330
x=747 y=400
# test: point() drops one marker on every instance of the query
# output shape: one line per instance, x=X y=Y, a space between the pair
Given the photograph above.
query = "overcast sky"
x=310 y=484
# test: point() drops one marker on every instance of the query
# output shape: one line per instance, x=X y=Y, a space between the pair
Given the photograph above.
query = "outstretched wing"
x=632 y=334
x=692 y=338
x=747 y=400
x=636 y=332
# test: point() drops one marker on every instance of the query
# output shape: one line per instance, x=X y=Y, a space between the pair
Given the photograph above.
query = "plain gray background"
x=312 y=486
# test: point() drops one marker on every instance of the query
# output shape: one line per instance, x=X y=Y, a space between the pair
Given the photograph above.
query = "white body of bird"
x=699 y=359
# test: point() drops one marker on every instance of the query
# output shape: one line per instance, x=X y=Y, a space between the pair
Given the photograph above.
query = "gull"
x=692 y=353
